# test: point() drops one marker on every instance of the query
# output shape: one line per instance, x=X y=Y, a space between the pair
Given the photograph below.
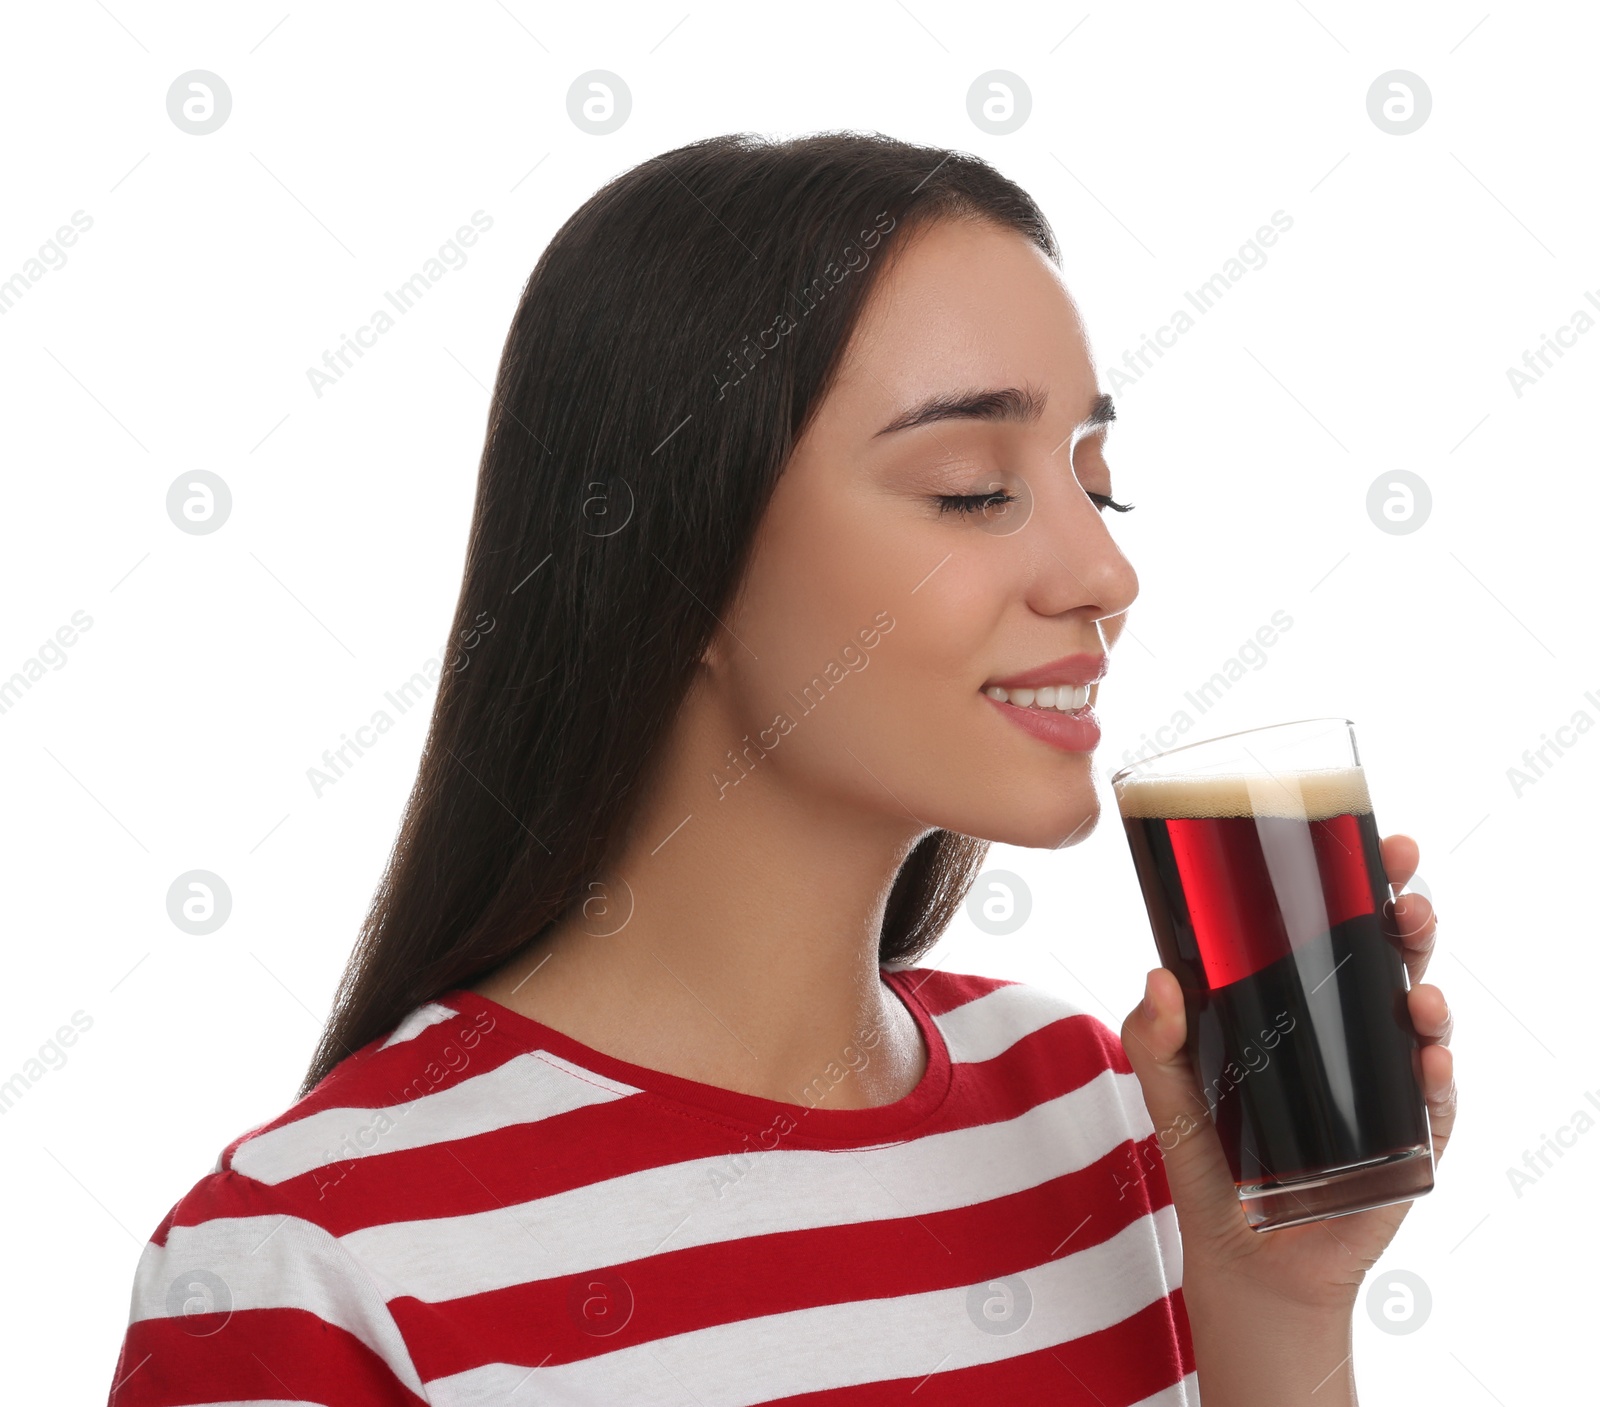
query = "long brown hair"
x=667 y=352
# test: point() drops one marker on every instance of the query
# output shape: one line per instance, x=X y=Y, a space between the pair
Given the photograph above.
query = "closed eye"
x=965 y=503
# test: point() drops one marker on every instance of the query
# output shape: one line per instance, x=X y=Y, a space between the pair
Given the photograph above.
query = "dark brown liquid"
x=1294 y=985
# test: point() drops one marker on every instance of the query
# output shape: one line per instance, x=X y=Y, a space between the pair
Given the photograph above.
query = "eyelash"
x=965 y=503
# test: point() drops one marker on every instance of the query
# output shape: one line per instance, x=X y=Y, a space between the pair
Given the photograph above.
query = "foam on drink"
x=1296 y=796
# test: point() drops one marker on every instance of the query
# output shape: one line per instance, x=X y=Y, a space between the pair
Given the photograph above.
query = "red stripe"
x=942 y=992
x=469 y=1044
x=441 y=1056
x=251 y=1353
x=524 y=1162
x=676 y=1292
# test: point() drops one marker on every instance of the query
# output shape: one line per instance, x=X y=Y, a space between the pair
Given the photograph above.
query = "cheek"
x=947 y=627
x=873 y=629
x=895 y=664
x=825 y=563
x=814 y=587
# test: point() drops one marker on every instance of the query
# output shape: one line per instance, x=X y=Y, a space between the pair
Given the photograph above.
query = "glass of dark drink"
x=1258 y=856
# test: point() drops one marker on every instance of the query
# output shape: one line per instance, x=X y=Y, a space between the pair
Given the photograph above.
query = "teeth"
x=1062 y=698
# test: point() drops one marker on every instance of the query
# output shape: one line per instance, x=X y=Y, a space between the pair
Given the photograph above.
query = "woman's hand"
x=1319 y=1265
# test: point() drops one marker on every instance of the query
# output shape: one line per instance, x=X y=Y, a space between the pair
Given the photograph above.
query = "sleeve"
x=1144 y=1180
x=235 y=1301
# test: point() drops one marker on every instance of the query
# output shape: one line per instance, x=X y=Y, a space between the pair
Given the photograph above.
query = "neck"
x=734 y=941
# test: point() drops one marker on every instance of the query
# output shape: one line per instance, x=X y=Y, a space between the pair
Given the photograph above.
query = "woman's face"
x=873 y=617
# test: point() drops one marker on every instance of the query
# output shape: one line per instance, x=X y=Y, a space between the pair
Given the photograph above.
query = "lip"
x=1074 y=731
x=1069 y=669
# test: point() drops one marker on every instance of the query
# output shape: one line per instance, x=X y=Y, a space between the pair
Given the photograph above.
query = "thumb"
x=1203 y=1189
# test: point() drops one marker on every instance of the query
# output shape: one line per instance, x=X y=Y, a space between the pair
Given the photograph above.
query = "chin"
x=1081 y=828
x=1064 y=820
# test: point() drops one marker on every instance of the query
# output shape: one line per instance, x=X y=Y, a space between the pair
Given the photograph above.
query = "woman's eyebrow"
x=1004 y=403
x=1103 y=412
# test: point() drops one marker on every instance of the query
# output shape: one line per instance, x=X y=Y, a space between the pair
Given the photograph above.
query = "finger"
x=1430 y=1014
x=1439 y=1088
x=1411 y=919
x=1197 y=1170
x=1400 y=855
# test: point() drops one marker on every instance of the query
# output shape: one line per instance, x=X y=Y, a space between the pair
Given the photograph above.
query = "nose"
x=1075 y=563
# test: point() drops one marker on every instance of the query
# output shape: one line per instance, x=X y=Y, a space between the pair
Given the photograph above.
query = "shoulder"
x=360 y=1106
x=238 y=1295
x=983 y=1017
x=256 y=1247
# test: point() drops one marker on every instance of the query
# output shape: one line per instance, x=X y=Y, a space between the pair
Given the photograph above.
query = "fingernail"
x=1148 y=1005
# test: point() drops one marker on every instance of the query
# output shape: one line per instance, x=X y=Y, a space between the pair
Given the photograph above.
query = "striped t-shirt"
x=479 y=1209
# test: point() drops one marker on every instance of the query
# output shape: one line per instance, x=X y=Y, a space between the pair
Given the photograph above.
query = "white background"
x=178 y=733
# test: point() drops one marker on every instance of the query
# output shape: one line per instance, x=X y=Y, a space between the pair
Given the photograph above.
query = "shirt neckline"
x=818 y=1124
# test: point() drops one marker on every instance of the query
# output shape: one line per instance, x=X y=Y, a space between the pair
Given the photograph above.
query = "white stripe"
x=1183 y=1393
x=524 y=1090
x=705 y=1201
x=840 y=1345
x=985 y=1026
x=429 y=1014
x=270 y=1262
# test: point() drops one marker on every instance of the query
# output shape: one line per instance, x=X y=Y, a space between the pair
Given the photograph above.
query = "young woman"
x=787 y=591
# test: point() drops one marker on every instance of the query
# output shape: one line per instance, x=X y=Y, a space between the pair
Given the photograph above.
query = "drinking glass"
x=1258 y=856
